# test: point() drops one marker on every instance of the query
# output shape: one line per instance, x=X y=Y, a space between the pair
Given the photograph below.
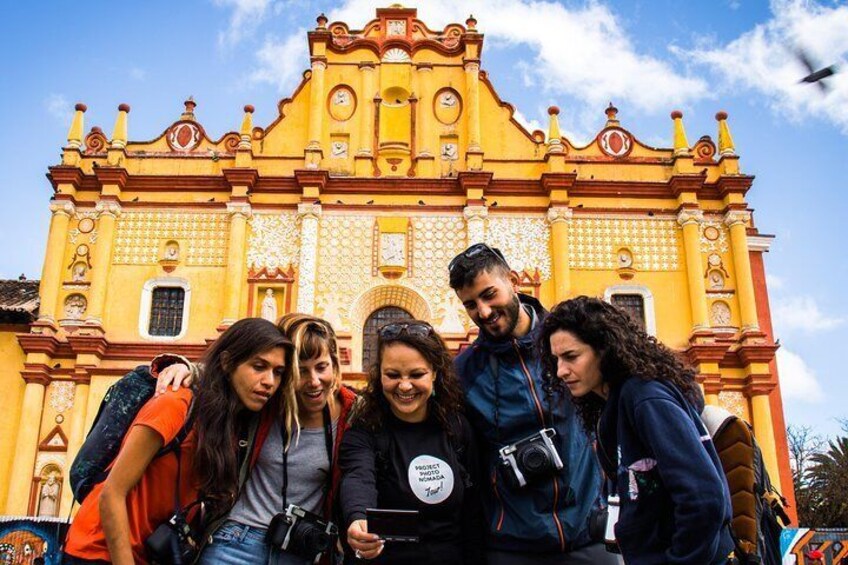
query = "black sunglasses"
x=416 y=329
x=475 y=250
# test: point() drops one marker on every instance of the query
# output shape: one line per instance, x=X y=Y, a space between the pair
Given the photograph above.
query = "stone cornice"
x=312 y=178
x=474 y=179
x=112 y=175
x=241 y=177
x=63 y=174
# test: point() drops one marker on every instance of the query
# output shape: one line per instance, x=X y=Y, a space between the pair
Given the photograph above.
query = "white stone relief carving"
x=62 y=395
x=525 y=242
x=205 y=235
x=594 y=242
x=273 y=241
x=720 y=314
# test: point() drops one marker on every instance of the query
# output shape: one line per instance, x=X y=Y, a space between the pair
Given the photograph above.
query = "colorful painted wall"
x=393 y=154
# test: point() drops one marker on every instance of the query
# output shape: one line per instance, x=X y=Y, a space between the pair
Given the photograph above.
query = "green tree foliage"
x=827 y=483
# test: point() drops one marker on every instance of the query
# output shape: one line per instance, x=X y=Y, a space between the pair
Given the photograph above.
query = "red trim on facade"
x=775 y=399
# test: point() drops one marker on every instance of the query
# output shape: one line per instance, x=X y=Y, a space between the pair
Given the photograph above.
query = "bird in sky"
x=815 y=76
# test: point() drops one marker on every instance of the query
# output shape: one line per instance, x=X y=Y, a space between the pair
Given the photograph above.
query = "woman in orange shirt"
x=244 y=369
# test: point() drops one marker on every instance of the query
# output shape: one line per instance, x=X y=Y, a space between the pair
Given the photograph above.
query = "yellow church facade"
x=392 y=155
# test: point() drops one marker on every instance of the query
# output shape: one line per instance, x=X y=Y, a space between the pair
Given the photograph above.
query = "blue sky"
x=648 y=57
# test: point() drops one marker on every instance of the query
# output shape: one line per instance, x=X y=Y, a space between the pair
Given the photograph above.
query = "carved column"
x=474 y=152
x=76 y=435
x=365 y=107
x=26 y=446
x=559 y=217
x=51 y=274
x=690 y=220
x=475 y=223
x=737 y=221
x=239 y=212
x=108 y=212
x=309 y=216
x=316 y=114
x=764 y=431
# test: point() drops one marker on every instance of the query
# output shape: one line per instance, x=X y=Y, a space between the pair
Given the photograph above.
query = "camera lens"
x=534 y=460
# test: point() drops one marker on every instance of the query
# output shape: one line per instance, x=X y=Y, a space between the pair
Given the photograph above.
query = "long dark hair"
x=373 y=409
x=218 y=410
x=626 y=351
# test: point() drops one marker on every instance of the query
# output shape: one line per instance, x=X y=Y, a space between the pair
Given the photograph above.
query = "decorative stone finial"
x=75 y=132
x=471 y=23
x=554 y=136
x=322 y=21
x=246 y=127
x=681 y=144
x=190 y=105
x=725 y=140
x=119 y=134
x=612 y=115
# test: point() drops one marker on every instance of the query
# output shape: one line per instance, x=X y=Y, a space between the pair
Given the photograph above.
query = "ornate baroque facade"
x=392 y=155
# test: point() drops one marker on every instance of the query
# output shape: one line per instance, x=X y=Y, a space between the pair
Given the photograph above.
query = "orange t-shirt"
x=151 y=501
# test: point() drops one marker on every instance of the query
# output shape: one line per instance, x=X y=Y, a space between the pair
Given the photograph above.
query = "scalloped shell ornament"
x=396 y=55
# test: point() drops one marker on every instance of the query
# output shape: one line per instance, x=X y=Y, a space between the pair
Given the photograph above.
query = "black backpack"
x=119 y=408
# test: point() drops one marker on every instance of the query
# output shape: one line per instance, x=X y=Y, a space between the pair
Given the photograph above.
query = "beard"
x=510 y=313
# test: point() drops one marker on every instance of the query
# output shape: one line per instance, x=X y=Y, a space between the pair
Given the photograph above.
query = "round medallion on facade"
x=86 y=225
x=447 y=106
x=615 y=142
x=184 y=136
x=711 y=233
x=82 y=250
x=714 y=259
x=341 y=103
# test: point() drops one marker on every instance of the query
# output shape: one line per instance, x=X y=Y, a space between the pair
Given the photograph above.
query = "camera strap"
x=328 y=444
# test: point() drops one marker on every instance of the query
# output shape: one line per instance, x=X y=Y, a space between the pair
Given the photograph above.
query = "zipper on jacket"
x=542 y=420
x=498 y=498
x=541 y=413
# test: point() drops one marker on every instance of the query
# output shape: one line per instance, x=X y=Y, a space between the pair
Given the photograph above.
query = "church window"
x=633 y=304
x=636 y=300
x=375 y=321
x=164 y=309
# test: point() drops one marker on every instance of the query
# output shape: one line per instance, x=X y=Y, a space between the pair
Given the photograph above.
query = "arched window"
x=375 y=321
x=638 y=301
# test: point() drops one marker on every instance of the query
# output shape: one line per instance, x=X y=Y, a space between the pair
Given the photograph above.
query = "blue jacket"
x=675 y=505
x=552 y=515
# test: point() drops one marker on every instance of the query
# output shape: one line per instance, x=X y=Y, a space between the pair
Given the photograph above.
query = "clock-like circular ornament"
x=711 y=233
x=86 y=225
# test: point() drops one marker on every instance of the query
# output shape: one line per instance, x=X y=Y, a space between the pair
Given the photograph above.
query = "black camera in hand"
x=172 y=542
x=302 y=533
x=531 y=459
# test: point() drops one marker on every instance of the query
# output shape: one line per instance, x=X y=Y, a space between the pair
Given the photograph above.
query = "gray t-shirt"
x=308 y=471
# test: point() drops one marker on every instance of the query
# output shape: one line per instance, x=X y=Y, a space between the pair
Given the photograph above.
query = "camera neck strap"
x=328 y=444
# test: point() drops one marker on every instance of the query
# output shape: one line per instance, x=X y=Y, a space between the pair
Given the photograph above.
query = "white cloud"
x=763 y=59
x=569 y=44
x=801 y=313
x=59 y=107
x=281 y=62
x=245 y=19
x=774 y=282
x=797 y=380
x=529 y=125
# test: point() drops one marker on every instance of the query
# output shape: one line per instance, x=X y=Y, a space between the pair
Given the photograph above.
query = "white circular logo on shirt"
x=431 y=479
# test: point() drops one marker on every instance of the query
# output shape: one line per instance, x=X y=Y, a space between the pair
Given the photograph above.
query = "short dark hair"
x=465 y=269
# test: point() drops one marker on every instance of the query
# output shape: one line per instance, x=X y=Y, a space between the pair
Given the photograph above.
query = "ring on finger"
x=357 y=554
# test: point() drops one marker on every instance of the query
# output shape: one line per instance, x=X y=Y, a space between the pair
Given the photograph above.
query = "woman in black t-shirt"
x=410 y=448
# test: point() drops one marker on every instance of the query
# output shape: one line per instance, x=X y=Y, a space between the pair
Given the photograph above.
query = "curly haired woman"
x=643 y=403
x=410 y=448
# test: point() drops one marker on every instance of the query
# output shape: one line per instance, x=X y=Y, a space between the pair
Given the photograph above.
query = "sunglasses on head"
x=416 y=329
x=474 y=251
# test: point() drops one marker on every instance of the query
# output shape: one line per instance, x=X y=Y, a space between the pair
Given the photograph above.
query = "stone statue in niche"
x=48 y=498
x=78 y=273
x=331 y=311
x=447 y=100
x=172 y=252
x=720 y=314
x=75 y=306
x=269 y=306
x=341 y=98
x=716 y=280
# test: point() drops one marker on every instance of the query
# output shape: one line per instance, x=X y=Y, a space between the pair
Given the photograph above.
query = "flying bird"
x=815 y=76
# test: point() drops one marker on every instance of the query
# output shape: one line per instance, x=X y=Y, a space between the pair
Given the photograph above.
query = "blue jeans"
x=237 y=544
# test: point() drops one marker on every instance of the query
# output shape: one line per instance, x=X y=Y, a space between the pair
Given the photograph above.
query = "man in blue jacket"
x=547 y=519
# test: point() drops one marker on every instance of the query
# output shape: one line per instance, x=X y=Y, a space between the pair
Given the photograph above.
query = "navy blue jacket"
x=675 y=504
x=552 y=515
